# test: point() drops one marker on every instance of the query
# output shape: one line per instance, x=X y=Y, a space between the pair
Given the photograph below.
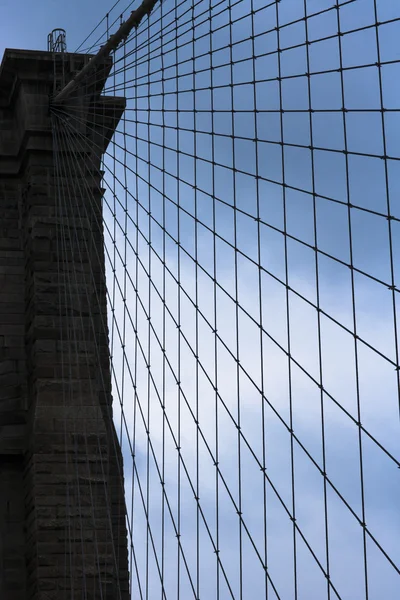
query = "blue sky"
x=27 y=24
x=377 y=380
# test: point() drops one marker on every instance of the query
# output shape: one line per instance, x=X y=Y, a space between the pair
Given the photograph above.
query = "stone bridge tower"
x=62 y=511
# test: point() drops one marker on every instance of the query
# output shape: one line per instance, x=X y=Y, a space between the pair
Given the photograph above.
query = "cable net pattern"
x=251 y=215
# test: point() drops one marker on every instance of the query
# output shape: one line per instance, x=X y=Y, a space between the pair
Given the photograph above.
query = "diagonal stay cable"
x=70 y=211
x=104 y=329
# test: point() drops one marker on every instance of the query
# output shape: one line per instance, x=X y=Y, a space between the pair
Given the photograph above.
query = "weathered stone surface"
x=61 y=476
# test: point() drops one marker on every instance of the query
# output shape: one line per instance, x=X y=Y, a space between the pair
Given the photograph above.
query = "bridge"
x=199 y=275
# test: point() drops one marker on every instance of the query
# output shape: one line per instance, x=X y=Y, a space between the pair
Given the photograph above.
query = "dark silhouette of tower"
x=62 y=511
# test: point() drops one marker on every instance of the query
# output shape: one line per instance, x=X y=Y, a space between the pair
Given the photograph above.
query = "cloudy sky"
x=252 y=292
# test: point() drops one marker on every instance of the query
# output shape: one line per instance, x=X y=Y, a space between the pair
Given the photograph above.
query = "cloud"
x=378 y=406
x=292 y=399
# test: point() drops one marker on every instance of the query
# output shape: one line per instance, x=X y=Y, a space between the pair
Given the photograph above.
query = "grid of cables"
x=251 y=218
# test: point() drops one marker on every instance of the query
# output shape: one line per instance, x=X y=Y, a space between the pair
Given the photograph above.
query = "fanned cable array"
x=251 y=220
